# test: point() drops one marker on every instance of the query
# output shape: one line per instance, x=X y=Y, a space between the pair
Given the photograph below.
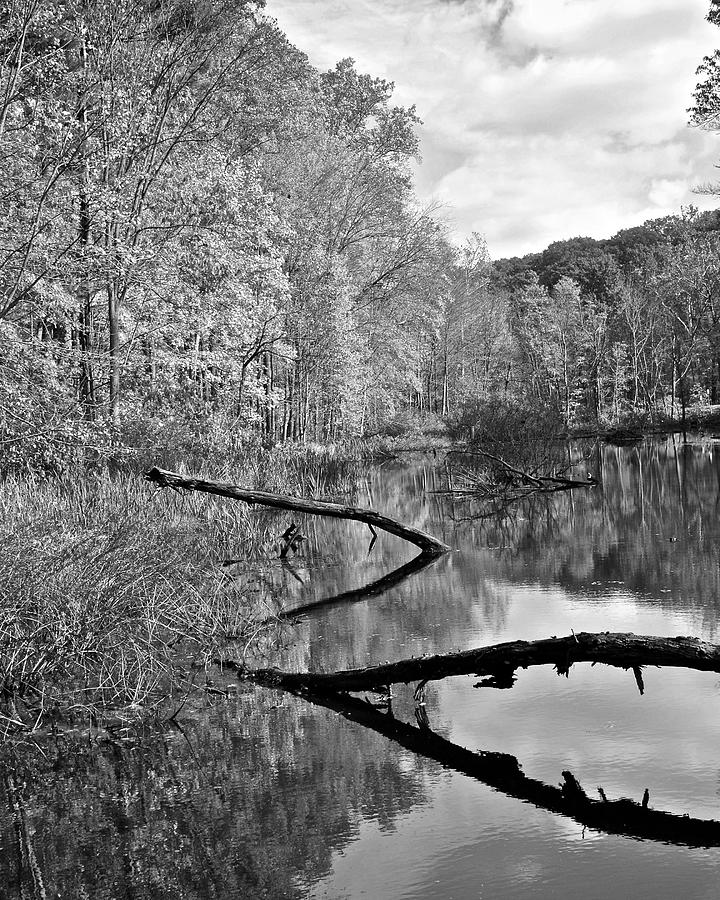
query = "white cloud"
x=542 y=120
x=666 y=192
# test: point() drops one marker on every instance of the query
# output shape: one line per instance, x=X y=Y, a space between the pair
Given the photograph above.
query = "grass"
x=113 y=597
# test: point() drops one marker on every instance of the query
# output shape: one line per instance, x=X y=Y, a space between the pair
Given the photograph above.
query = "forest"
x=205 y=241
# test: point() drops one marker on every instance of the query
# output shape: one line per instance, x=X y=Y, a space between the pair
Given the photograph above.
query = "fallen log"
x=425 y=542
x=503 y=772
x=499 y=662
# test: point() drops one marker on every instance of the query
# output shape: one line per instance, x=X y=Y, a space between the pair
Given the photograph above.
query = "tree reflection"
x=651 y=525
x=375 y=588
x=250 y=799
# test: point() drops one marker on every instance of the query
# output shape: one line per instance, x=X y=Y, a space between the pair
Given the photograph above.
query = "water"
x=269 y=796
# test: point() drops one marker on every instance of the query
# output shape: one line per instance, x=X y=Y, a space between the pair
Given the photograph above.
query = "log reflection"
x=372 y=589
x=503 y=772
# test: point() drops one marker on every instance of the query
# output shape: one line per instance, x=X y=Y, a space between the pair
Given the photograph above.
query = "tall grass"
x=112 y=596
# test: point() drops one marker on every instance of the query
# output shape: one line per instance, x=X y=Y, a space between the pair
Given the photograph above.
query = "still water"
x=269 y=796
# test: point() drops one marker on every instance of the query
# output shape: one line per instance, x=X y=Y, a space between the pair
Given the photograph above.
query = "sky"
x=543 y=119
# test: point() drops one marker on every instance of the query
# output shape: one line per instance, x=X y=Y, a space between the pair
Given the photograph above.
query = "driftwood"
x=503 y=772
x=425 y=542
x=541 y=481
x=498 y=663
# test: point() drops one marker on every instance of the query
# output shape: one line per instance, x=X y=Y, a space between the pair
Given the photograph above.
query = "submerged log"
x=425 y=542
x=500 y=662
x=503 y=772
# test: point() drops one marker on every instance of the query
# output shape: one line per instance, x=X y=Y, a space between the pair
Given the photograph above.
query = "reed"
x=113 y=598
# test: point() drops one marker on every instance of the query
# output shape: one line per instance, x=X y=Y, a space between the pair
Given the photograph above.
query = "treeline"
x=601 y=332
x=590 y=333
x=203 y=238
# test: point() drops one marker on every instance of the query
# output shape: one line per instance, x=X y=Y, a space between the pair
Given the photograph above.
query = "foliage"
x=617 y=330
x=40 y=426
x=495 y=425
x=196 y=222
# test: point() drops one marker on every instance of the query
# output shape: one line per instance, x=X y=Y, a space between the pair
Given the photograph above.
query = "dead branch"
x=501 y=661
x=425 y=542
x=525 y=477
x=532 y=484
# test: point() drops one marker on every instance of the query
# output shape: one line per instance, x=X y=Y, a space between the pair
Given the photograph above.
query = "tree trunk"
x=114 y=351
x=85 y=323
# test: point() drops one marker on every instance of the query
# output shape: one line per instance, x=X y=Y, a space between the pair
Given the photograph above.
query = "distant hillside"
x=596 y=264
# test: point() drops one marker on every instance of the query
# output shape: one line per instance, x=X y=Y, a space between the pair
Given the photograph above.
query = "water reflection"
x=268 y=796
x=248 y=800
x=373 y=589
x=503 y=772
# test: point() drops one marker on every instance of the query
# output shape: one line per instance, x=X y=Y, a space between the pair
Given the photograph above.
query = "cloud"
x=542 y=120
x=531 y=191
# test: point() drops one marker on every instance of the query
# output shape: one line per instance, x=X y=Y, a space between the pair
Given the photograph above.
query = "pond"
x=264 y=795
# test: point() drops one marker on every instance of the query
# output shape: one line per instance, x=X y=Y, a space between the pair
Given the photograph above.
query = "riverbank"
x=113 y=595
x=697 y=420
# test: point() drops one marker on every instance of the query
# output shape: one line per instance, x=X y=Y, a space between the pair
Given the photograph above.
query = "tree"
x=359 y=256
